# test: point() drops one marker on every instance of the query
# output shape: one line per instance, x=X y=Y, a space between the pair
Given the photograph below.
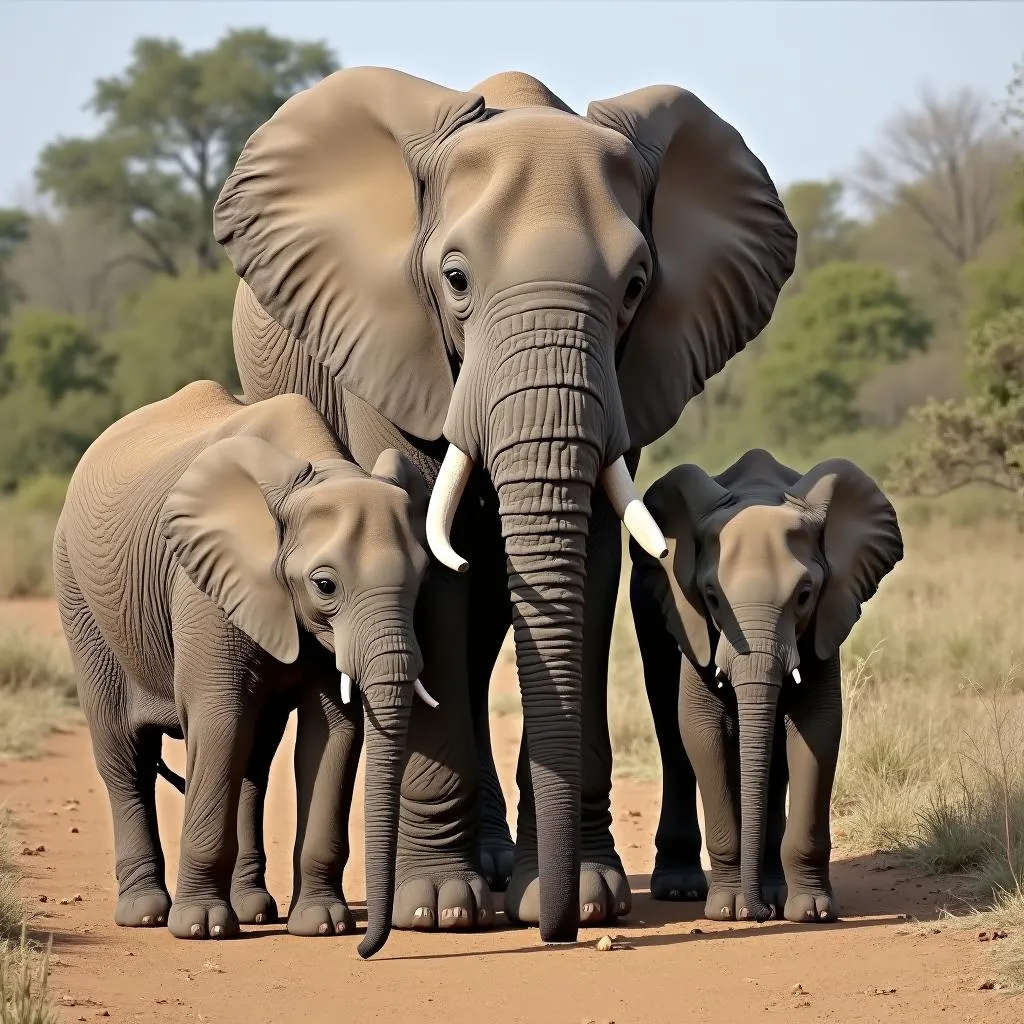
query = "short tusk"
x=796 y=676
x=720 y=677
x=346 y=688
x=444 y=500
x=420 y=692
x=621 y=491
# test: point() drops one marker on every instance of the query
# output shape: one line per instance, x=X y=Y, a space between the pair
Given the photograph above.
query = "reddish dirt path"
x=723 y=974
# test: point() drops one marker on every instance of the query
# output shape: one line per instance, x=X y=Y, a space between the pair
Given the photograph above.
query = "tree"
x=176 y=330
x=14 y=227
x=825 y=233
x=55 y=395
x=947 y=166
x=981 y=438
x=848 y=320
x=77 y=263
x=174 y=124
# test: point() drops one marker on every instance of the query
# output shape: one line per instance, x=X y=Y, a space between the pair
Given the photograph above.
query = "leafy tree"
x=14 y=227
x=825 y=233
x=981 y=438
x=56 y=395
x=176 y=330
x=55 y=353
x=848 y=320
x=174 y=124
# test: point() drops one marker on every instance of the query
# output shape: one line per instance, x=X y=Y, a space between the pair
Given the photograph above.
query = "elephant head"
x=766 y=565
x=278 y=543
x=544 y=290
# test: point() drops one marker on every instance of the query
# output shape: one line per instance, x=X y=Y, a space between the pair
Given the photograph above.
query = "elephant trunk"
x=757 y=681
x=387 y=710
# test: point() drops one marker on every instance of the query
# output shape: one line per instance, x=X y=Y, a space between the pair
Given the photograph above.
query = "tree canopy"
x=174 y=124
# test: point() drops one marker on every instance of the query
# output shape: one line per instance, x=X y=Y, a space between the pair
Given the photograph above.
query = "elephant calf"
x=204 y=547
x=765 y=579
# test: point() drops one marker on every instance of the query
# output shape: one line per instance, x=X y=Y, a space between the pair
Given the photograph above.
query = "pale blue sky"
x=807 y=83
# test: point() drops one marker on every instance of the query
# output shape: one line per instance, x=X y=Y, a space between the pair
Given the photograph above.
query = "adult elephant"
x=519 y=298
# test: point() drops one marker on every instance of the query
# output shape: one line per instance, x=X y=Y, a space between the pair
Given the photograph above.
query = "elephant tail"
x=171 y=776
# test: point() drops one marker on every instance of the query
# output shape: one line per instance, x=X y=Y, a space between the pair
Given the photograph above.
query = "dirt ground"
x=883 y=962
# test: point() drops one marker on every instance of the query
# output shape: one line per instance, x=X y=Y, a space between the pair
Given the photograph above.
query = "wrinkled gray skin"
x=766 y=577
x=543 y=292
x=216 y=566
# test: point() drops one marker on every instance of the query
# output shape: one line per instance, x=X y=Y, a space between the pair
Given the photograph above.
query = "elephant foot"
x=143 y=908
x=604 y=894
x=445 y=900
x=807 y=906
x=727 y=903
x=315 y=918
x=213 y=919
x=679 y=883
x=497 y=856
x=254 y=905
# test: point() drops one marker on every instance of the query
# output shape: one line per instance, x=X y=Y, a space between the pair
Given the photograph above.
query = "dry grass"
x=24 y=967
x=37 y=692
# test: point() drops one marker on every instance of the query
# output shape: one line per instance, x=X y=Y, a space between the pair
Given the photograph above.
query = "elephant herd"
x=460 y=318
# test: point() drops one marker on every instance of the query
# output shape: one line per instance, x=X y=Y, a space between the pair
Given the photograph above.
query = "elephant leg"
x=126 y=759
x=249 y=897
x=813 y=731
x=438 y=882
x=327 y=745
x=604 y=889
x=490 y=615
x=709 y=728
x=214 y=677
x=677 y=874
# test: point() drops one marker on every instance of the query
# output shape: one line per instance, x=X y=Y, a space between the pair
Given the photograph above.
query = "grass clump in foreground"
x=24 y=967
x=37 y=692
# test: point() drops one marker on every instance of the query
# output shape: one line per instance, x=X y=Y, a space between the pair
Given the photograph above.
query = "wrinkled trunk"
x=756 y=679
x=545 y=417
x=387 y=712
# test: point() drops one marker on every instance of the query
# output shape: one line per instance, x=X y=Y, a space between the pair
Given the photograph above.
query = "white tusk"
x=619 y=487
x=444 y=500
x=796 y=676
x=346 y=688
x=423 y=695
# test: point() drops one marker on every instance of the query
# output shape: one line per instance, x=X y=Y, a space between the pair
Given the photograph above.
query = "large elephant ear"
x=861 y=542
x=723 y=248
x=678 y=501
x=320 y=218
x=220 y=524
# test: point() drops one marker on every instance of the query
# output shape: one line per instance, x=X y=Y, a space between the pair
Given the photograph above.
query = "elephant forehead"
x=770 y=539
x=536 y=154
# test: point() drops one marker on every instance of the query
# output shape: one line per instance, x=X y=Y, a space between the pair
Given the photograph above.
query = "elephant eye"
x=325 y=585
x=457 y=279
x=634 y=290
x=803 y=597
x=712 y=600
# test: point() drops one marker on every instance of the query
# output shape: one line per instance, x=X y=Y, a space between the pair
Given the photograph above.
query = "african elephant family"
x=517 y=299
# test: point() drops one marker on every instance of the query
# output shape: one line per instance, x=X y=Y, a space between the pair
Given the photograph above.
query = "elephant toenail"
x=160 y=919
x=424 y=913
x=481 y=916
x=823 y=914
x=259 y=919
x=147 y=919
x=691 y=894
x=322 y=929
x=726 y=913
x=341 y=927
x=674 y=894
x=445 y=914
x=196 y=931
x=744 y=914
x=216 y=931
x=622 y=907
